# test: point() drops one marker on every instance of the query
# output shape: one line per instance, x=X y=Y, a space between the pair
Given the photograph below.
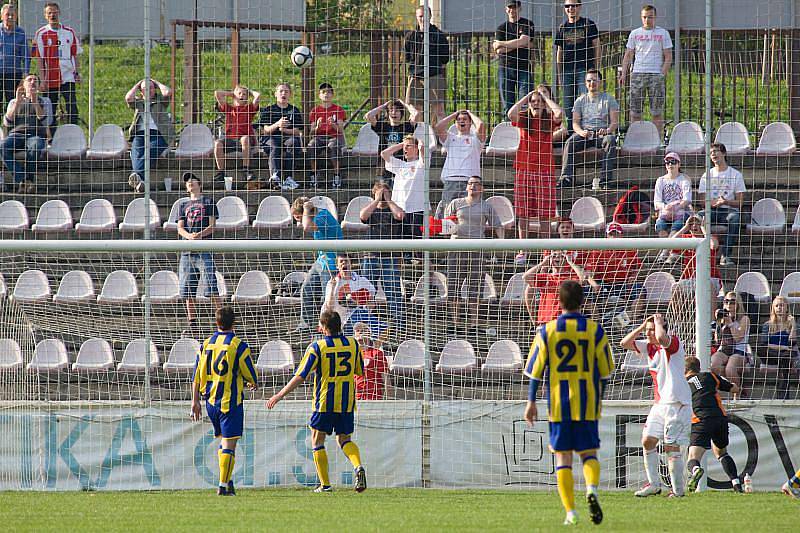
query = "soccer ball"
x=302 y=57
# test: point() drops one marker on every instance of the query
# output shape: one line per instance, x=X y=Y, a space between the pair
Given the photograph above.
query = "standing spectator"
x=370 y=385
x=282 y=124
x=162 y=129
x=595 y=119
x=463 y=154
x=27 y=118
x=727 y=194
x=57 y=48
x=560 y=134
x=546 y=276
x=393 y=128
x=239 y=134
x=731 y=336
x=327 y=134
x=512 y=42
x=651 y=47
x=439 y=56
x=409 y=182
x=778 y=344
x=672 y=199
x=15 y=54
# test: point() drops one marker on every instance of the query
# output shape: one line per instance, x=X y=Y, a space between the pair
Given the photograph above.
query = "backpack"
x=289 y=288
x=633 y=207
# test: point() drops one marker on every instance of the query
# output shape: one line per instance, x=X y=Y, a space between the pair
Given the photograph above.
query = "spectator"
x=347 y=293
x=385 y=220
x=511 y=43
x=577 y=45
x=15 y=54
x=731 y=336
x=547 y=275
x=778 y=344
x=560 y=134
x=473 y=216
x=651 y=47
x=672 y=199
x=57 y=48
x=197 y=218
x=727 y=194
x=370 y=385
x=694 y=229
x=27 y=119
x=393 y=128
x=595 y=118
x=323 y=226
x=327 y=134
x=439 y=56
x=565 y=229
x=239 y=134
x=463 y=154
x=409 y=182
x=162 y=130
x=282 y=124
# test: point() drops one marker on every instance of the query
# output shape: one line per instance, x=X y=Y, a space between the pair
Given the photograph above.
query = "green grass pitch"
x=407 y=510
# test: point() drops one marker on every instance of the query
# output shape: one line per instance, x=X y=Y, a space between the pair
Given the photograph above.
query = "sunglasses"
x=671 y=161
x=729 y=301
x=571 y=6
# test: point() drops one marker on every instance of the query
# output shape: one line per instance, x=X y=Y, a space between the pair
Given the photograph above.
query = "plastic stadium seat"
x=658 y=286
x=182 y=356
x=324 y=202
x=488 y=292
x=32 y=286
x=420 y=132
x=232 y=213
x=108 y=142
x=54 y=215
x=367 y=141
x=97 y=216
x=164 y=287
x=734 y=136
x=796 y=222
x=634 y=366
x=222 y=287
x=172 y=221
x=3 y=288
x=686 y=138
x=457 y=355
x=119 y=288
x=503 y=356
x=777 y=139
x=10 y=355
x=790 y=288
x=504 y=209
x=754 y=283
x=75 y=286
x=504 y=140
x=515 y=290
x=292 y=278
x=253 y=287
x=641 y=138
x=13 y=217
x=134 y=219
x=587 y=214
x=68 y=142
x=50 y=355
x=438 y=285
x=352 y=215
x=767 y=216
x=94 y=355
x=273 y=213
x=195 y=142
x=133 y=360
x=380 y=294
x=409 y=356
x=275 y=357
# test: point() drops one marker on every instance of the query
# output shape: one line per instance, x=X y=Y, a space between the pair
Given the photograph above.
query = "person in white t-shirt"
x=727 y=194
x=650 y=50
x=409 y=183
x=672 y=200
x=670 y=418
x=463 y=154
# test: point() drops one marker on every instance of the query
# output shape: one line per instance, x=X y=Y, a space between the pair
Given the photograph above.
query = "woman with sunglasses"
x=778 y=344
x=672 y=200
x=731 y=336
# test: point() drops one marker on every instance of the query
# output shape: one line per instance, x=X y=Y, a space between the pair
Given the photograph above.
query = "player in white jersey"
x=670 y=418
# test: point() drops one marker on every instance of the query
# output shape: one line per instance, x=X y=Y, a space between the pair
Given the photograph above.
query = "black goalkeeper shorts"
x=710 y=430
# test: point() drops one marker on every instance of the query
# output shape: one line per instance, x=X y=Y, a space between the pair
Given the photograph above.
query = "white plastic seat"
x=297 y=278
x=352 y=215
x=232 y=213
x=10 y=355
x=253 y=287
x=182 y=356
x=634 y=365
x=95 y=355
x=325 y=202
x=641 y=138
x=108 y=142
x=457 y=355
x=164 y=287
x=438 y=285
x=734 y=136
x=409 y=356
x=658 y=287
x=777 y=139
x=503 y=356
x=515 y=290
x=686 y=138
x=13 y=217
x=119 y=288
x=222 y=287
x=75 y=286
x=172 y=221
x=380 y=294
x=754 y=283
x=53 y=215
x=587 y=214
x=97 y=216
x=50 y=355
x=420 y=132
x=274 y=212
x=504 y=140
x=768 y=216
x=3 y=288
x=504 y=209
x=275 y=357
x=195 y=142
x=68 y=142
x=134 y=219
x=32 y=286
x=790 y=288
x=133 y=360
x=488 y=289
x=367 y=141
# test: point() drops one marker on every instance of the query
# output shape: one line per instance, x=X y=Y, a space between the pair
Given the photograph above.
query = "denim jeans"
x=608 y=162
x=387 y=271
x=313 y=291
x=192 y=265
x=34 y=148
x=572 y=86
x=157 y=147
x=730 y=217
x=282 y=153
x=514 y=84
x=67 y=91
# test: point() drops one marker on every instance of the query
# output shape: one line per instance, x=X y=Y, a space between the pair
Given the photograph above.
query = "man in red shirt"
x=370 y=385
x=327 y=134
x=239 y=134
x=694 y=228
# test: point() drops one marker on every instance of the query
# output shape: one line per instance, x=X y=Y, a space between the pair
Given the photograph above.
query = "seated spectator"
x=672 y=200
x=282 y=125
x=565 y=229
x=731 y=336
x=778 y=344
x=557 y=266
x=351 y=295
x=463 y=154
x=327 y=135
x=370 y=385
x=409 y=182
x=239 y=134
x=391 y=129
x=28 y=116
x=727 y=195
x=694 y=229
x=162 y=129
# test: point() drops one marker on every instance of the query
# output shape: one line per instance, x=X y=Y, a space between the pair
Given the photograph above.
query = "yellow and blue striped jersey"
x=574 y=352
x=333 y=362
x=222 y=367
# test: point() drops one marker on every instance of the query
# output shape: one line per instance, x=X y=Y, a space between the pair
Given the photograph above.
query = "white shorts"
x=671 y=423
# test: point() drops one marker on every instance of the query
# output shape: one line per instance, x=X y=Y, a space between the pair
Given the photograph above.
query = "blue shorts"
x=574 y=436
x=189 y=270
x=226 y=425
x=341 y=423
x=675 y=225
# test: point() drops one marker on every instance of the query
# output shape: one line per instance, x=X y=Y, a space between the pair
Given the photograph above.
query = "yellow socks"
x=591 y=472
x=226 y=460
x=321 y=462
x=352 y=452
x=566 y=489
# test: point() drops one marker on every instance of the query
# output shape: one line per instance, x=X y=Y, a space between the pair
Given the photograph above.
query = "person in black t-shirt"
x=392 y=128
x=512 y=44
x=439 y=56
x=709 y=423
x=282 y=124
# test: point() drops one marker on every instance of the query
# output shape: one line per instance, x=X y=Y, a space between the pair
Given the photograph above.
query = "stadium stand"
x=767 y=216
x=503 y=356
x=273 y=213
x=754 y=283
x=275 y=357
x=95 y=355
x=195 y=142
x=686 y=138
x=50 y=355
x=76 y=286
x=182 y=356
x=13 y=217
x=504 y=140
x=735 y=137
x=108 y=143
x=777 y=139
x=457 y=356
x=119 y=287
x=10 y=355
x=136 y=214
x=352 y=215
x=53 y=216
x=69 y=142
x=32 y=286
x=409 y=357
x=232 y=213
x=438 y=286
x=164 y=287
x=790 y=288
x=98 y=216
x=641 y=138
x=135 y=356
x=254 y=287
